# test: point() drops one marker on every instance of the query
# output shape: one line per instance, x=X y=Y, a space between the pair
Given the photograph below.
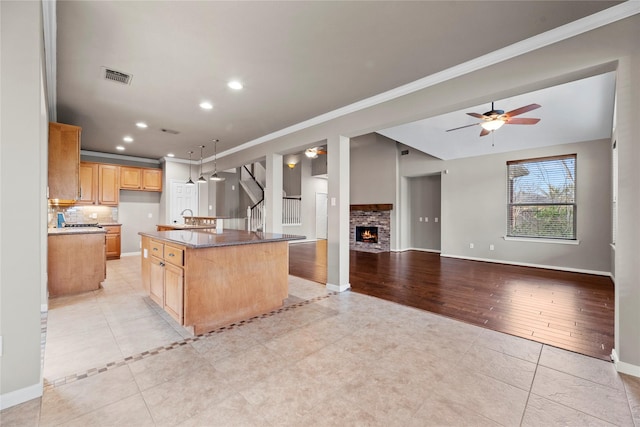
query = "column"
x=338 y=213
x=273 y=193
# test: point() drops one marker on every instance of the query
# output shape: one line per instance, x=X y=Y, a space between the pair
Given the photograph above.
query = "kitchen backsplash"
x=84 y=214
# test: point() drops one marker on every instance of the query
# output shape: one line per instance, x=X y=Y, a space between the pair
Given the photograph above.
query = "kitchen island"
x=205 y=280
x=76 y=260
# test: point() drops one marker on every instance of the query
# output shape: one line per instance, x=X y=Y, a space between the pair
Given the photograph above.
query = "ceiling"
x=297 y=60
x=578 y=111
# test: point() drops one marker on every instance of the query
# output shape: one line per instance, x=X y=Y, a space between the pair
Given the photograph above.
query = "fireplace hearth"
x=367 y=234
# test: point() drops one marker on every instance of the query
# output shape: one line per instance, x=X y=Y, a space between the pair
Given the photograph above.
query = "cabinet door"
x=156 y=290
x=130 y=178
x=88 y=184
x=108 y=183
x=64 y=162
x=173 y=291
x=113 y=246
x=152 y=179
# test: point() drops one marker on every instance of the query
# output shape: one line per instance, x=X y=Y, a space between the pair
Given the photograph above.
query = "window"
x=542 y=198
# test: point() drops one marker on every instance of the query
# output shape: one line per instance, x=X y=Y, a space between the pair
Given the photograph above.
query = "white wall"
x=23 y=252
x=474 y=197
x=138 y=211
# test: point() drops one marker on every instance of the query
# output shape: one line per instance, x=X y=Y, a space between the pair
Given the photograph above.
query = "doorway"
x=183 y=197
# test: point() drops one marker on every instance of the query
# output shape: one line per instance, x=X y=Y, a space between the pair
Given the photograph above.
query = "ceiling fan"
x=494 y=119
x=314 y=151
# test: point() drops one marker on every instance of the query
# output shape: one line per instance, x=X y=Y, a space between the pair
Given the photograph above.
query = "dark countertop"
x=75 y=230
x=187 y=226
x=198 y=239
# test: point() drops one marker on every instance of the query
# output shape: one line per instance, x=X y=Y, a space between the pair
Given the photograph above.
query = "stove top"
x=81 y=225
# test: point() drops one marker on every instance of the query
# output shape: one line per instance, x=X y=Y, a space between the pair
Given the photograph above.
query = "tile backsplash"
x=83 y=214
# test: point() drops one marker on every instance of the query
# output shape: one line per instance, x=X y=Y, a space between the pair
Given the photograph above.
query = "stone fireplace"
x=370 y=227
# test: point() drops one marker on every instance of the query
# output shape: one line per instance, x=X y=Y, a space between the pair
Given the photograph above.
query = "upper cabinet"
x=98 y=184
x=88 y=184
x=108 y=184
x=64 y=163
x=145 y=179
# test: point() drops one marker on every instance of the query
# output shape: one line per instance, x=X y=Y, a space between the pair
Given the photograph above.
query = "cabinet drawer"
x=174 y=256
x=112 y=229
x=156 y=249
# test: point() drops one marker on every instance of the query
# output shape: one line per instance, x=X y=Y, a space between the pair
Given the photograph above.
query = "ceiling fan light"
x=492 y=125
x=311 y=153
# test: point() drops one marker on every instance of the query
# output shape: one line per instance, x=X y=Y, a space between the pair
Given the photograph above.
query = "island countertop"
x=192 y=238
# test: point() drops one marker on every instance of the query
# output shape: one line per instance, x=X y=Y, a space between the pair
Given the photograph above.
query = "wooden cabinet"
x=113 y=241
x=76 y=263
x=64 y=163
x=108 y=184
x=88 y=184
x=99 y=184
x=166 y=277
x=152 y=179
x=145 y=179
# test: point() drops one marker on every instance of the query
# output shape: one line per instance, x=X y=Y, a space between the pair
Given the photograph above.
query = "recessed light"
x=120 y=148
x=170 y=155
x=206 y=105
x=127 y=139
x=235 y=84
x=142 y=125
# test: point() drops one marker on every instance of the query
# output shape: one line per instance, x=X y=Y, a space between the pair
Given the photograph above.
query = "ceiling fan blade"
x=484 y=132
x=522 y=121
x=522 y=110
x=462 y=127
x=477 y=116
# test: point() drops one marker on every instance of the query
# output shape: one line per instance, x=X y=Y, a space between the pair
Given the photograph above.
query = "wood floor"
x=572 y=311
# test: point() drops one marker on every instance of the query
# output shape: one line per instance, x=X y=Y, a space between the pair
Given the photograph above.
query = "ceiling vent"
x=116 y=76
x=171 y=131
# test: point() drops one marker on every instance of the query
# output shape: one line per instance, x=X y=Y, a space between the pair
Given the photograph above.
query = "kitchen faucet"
x=182 y=213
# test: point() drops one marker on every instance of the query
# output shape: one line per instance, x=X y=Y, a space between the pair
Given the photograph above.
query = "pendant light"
x=214 y=175
x=190 y=182
x=201 y=180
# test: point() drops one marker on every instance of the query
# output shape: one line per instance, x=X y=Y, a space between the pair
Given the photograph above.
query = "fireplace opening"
x=367 y=234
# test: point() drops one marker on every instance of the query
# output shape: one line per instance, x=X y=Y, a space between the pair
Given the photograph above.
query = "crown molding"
x=572 y=29
x=119 y=157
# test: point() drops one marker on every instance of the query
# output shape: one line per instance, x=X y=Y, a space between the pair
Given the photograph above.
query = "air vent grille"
x=117 y=76
x=171 y=131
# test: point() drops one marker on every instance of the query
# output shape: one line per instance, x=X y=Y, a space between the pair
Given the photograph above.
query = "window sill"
x=536 y=240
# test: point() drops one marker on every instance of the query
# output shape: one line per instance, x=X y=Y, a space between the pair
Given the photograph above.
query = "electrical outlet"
x=491 y=247
x=470 y=245
x=150 y=215
x=436 y=219
x=94 y=215
x=420 y=219
x=426 y=219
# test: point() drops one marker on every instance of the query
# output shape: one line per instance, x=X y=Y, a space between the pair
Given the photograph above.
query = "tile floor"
x=113 y=358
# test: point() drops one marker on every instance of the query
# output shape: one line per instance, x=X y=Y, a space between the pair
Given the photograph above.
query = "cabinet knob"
x=171 y=255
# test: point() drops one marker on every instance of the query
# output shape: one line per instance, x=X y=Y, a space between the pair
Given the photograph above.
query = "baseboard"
x=435 y=251
x=13 y=398
x=338 y=288
x=623 y=367
x=526 y=264
x=130 y=254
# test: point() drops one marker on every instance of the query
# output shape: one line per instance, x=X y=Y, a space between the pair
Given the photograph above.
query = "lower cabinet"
x=166 y=277
x=113 y=241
